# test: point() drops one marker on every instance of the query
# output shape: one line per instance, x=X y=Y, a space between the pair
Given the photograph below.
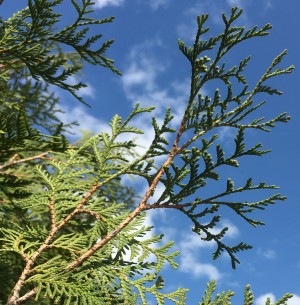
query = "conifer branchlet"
x=70 y=233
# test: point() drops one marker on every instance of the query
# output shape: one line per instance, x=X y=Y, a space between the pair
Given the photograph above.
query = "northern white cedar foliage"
x=67 y=223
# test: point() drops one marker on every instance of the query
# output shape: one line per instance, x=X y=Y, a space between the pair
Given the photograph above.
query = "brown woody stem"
x=13 y=160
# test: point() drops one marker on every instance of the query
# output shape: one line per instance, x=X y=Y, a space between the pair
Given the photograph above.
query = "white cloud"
x=187 y=29
x=190 y=247
x=155 y=4
x=142 y=72
x=189 y=257
x=262 y=299
x=157 y=192
x=295 y=300
x=269 y=254
x=268 y=4
x=233 y=230
x=103 y=3
x=193 y=241
x=226 y=134
x=142 y=82
x=88 y=91
x=86 y=121
x=190 y=264
x=142 y=68
x=232 y=3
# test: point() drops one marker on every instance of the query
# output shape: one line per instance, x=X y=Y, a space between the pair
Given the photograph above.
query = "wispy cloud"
x=86 y=121
x=269 y=254
x=295 y=300
x=265 y=4
x=238 y=3
x=142 y=68
x=190 y=264
x=269 y=3
x=142 y=80
x=226 y=135
x=155 y=4
x=261 y=300
x=103 y=3
x=88 y=91
x=187 y=29
x=190 y=260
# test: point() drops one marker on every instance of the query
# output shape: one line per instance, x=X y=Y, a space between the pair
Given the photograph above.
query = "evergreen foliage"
x=70 y=233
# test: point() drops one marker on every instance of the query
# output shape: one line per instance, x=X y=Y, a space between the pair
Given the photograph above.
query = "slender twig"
x=95 y=214
x=15 y=297
x=27 y=296
x=52 y=211
x=167 y=206
x=13 y=160
x=77 y=210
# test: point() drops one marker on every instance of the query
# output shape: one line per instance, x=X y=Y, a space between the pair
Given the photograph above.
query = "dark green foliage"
x=30 y=40
x=71 y=233
x=204 y=114
x=36 y=100
x=19 y=141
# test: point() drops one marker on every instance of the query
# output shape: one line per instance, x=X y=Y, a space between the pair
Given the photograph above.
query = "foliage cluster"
x=71 y=233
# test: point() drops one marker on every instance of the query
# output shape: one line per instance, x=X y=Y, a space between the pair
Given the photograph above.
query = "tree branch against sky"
x=73 y=231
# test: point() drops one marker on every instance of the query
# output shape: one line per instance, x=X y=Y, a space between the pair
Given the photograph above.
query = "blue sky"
x=155 y=73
